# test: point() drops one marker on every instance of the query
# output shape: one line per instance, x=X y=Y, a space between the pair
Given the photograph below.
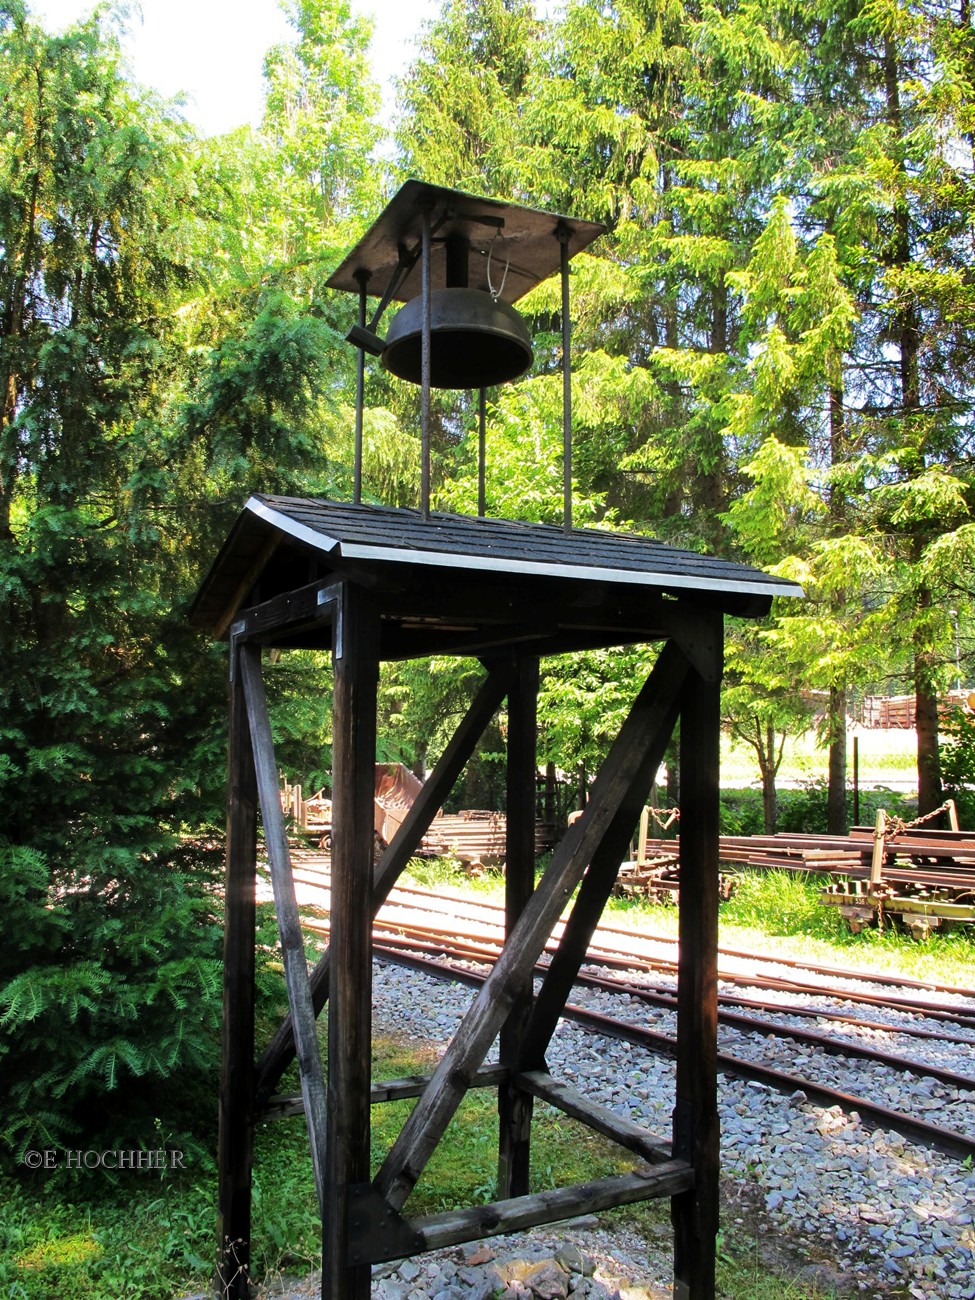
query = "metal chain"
x=895 y=826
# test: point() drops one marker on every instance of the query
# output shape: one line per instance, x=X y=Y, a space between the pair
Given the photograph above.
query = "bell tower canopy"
x=522 y=238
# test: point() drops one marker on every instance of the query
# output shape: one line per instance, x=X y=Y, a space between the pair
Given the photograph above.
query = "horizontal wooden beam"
x=605 y=1121
x=411 y=1085
x=521 y=1212
x=311 y=605
x=417 y=643
x=564 y=602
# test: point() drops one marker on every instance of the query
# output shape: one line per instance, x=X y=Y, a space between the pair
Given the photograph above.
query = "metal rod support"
x=482 y=454
x=425 y=366
x=362 y=277
x=562 y=233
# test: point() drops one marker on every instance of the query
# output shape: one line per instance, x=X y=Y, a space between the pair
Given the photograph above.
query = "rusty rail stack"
x=909 y=875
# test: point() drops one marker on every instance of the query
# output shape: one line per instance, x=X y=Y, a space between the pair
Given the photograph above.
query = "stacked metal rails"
x=911 y=876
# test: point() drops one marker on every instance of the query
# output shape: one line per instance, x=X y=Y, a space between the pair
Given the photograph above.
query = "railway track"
x=868 y=1031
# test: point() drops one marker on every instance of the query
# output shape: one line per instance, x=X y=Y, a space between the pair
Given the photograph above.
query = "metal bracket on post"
x=377 y=1232
x=683 y=1122
x=235 y=633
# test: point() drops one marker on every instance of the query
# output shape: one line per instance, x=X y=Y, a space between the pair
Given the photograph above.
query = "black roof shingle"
x=367 y=534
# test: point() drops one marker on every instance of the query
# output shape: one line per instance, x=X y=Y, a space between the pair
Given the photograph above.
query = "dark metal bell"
x=475 y=340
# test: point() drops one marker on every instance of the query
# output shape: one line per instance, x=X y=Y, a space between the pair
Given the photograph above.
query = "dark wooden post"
x=286 y=906
x=514 y=1104
x=627 y=758
x=356 y=660
x=236 y=1138
x=696 y=1127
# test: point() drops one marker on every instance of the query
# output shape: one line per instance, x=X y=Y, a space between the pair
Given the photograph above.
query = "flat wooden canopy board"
x=518 y=243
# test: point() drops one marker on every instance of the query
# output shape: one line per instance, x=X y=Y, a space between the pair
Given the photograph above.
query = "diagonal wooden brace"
x=280 y=1051
x=596 y=887
x=286 y=906
x=627 y=758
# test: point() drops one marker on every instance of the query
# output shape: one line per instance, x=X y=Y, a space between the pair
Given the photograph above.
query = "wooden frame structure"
x=372 y=583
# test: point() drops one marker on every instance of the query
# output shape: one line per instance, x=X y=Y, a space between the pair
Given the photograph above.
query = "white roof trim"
x=321 y=541
x=452 y=560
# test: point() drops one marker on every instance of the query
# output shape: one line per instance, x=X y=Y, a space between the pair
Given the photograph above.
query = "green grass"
x=781 y=912
x=882 y=755
x=101 y=1240
x=83 y=1235
x=151 y=1237
x=778 y=913
x=463 y=1171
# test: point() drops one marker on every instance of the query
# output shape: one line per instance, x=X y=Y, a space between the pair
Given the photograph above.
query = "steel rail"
x=752 y=1024
x=943 y=1139
x=942 y=1012
x=491 y=942
x=834 y=1046
x=435 y=903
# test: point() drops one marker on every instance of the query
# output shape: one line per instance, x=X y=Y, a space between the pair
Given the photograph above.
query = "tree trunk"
x=712 y=486
x=672 y=768
x=13 y=327
x=768 y=765
x=908 y=337
x=836 y=785
x=836 y=792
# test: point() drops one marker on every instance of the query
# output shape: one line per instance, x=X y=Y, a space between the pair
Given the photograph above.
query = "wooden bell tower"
x=370 y=583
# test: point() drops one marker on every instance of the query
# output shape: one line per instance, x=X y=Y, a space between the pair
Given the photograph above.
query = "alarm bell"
x=476 y=340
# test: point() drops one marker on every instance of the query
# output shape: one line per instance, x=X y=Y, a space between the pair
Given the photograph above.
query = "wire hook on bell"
x=477 y=339
x=496 y=293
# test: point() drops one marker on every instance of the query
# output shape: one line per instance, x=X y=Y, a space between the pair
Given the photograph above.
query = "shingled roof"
x=349 y=539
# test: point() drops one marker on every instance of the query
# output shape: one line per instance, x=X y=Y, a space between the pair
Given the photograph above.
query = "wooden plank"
x=236 y=1131
x=411 y=1085
x=696 y=1126
x=617 y=1128
x=425 y=1126
x=519 y=1213
x=242 y=582
x=311 y=605
x=356 y=672
x=280 y=1051
x=286 y=907
x=514 y=1104
x=599 y=880
x=567 y=607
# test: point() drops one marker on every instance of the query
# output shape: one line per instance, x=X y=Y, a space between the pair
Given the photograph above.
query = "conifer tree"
x=108 y=988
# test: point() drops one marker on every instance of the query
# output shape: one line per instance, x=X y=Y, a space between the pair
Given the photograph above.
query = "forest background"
x=774 y=361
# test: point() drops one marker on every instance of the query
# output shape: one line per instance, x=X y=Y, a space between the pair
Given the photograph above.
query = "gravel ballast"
x=889 y=1217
